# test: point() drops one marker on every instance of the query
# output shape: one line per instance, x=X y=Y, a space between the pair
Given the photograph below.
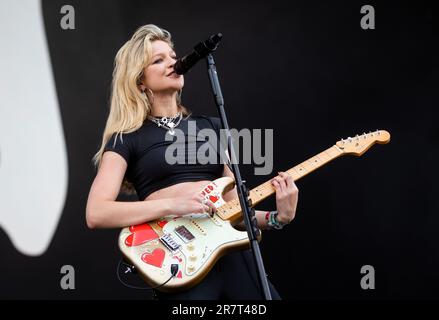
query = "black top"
x=153 y=166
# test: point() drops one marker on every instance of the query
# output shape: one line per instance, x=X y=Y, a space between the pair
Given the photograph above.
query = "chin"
x=177 y=87
x=171 y=86
x=170 y=90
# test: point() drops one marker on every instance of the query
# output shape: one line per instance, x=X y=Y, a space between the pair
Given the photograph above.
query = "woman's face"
x=159 y=76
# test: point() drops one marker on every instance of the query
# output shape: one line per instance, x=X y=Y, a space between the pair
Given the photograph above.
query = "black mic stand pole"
x=248 y=212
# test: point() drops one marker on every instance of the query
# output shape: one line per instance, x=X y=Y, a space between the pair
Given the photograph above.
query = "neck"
x=164 y=105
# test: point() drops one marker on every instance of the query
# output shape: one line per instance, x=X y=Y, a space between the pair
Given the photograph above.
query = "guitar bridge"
x=169 y=242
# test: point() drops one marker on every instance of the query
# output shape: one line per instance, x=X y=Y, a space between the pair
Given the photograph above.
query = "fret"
x=309 y=165
x=334 y=151
x=293 y=172
x=320 y=160
x=324 y=156
x=317 y=161
x=300 y=169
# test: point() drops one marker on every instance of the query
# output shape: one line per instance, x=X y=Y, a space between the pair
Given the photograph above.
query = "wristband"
x=272 y=221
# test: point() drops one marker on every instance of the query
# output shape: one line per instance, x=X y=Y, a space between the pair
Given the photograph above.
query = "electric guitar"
x=177 y=252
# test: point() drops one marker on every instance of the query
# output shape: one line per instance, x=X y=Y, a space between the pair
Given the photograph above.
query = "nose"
x=171 y=65
x=172 y=62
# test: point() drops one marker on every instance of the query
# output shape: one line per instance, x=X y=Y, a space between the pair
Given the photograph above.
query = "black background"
x=305 y=69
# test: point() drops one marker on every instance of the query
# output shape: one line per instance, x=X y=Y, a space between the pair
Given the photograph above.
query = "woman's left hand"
x=287 y=195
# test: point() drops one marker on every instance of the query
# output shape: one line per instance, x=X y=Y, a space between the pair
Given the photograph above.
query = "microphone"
x=201 y=50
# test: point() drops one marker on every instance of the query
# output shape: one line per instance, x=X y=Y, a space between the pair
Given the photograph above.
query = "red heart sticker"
x=213 y=198
x=155 y=258
x=141 y=234
x=162 y=223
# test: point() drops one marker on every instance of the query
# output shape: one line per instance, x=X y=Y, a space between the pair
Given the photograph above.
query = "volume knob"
x=192 y=257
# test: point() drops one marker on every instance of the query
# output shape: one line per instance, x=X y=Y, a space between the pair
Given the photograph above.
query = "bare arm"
x=103 y=211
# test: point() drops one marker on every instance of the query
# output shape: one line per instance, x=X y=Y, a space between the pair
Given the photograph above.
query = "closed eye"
x=160 y=60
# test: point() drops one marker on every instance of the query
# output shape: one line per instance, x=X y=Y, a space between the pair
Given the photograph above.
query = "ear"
x=140 y=82
x=141 y=86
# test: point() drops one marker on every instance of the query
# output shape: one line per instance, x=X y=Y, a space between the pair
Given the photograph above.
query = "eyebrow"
x=162 y=53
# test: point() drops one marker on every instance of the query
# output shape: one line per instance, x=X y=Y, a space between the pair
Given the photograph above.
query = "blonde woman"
x=145 y=105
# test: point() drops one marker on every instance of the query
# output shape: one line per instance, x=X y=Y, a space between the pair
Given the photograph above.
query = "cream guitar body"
x=191 y=244
x=194 y=242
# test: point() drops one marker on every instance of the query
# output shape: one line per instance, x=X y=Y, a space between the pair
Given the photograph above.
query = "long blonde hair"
x=129 y=106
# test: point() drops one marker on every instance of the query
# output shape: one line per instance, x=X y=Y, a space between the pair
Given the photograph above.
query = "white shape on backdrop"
x=33 y=158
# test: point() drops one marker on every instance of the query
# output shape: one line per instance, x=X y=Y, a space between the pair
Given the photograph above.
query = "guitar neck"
x=232 y=209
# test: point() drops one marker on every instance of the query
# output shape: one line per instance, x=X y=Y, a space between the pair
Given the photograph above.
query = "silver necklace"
x=167 y=122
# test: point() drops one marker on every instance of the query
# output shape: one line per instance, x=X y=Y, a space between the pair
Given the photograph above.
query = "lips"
x=173 y=75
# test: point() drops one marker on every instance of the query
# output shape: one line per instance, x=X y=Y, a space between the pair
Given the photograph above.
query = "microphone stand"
x=248 y=212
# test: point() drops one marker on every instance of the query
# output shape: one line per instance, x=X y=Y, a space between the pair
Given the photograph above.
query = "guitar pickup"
x=184 y=234
x=169 y=242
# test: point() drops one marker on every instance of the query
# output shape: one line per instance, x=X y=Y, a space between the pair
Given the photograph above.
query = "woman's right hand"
x=192 y=203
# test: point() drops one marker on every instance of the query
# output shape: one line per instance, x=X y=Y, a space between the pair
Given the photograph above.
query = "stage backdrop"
x=307 y=70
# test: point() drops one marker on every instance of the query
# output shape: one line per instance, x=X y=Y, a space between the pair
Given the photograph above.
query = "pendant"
x=171 y=126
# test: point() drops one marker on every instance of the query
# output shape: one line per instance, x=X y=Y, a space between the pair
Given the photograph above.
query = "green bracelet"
x=273 y=222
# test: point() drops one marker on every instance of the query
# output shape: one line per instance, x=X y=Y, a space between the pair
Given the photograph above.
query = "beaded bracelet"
x=272 y=222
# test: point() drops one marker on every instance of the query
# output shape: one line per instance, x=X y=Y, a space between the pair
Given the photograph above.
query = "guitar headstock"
x=361 y=143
